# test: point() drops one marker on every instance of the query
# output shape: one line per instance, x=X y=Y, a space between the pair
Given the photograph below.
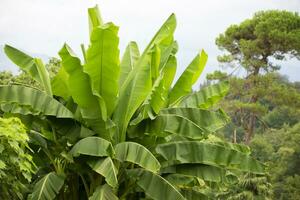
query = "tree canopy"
x=253 y=43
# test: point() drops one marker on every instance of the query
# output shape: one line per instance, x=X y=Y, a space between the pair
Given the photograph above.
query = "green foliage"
x=248 y=188
x=280 y=149
x=216 y=75
x=16 y=165
x=102 y=64
x=276 y=137
x=253 y=45
x=129 y=59
x=105 y=137
x=268 y=34
x=7 y=78
x=206 y=97
x=103 y=192
x=277 y=103
x=282 y=115
x=263 y=104
x=183 y=85
x=48 y=187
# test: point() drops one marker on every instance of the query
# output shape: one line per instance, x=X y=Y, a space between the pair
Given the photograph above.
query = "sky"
x=43 y=26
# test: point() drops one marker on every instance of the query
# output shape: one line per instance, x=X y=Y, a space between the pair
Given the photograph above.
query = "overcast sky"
x=42 y=26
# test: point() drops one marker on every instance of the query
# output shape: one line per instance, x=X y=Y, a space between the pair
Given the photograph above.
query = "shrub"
x=16 y=165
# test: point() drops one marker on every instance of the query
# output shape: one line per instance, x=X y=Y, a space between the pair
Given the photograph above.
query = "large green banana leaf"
x=180 y=181
x=128 y=61
x=79 y=86
x=44 y=76
x=92 y=146
x=163 y=78
x=209 y=154
x=37 y=139
x=24 y=61
x=95 y=19
x=103 y=192
x=106 y=168
x=35 y=101
x=205 y=172
x=138 y=84
x=76 y=132
x=183 y=85
x=137 y=154
x=158 y=96
x=165 y=34
x=188 y=122
x=132 y=94
x=206 y=97
x=102 y=64
x=33 y=66
x=102 y=128
x=167 y=51
x=59 y=84
x=238 y=147
x=48 y=187
x=188 y=186
x=72 y=130
x=155 y=186
x=191 y=194
x=155 y=61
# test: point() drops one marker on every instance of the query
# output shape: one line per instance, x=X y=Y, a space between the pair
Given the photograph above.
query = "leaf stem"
x=86 y=188
x=83 y=52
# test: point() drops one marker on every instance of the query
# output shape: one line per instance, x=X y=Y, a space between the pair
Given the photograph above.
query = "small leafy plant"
x=105 y=128
x=16 y=165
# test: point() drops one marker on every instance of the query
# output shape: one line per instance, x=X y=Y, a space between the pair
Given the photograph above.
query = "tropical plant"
x=16 y=165
x=117 y=129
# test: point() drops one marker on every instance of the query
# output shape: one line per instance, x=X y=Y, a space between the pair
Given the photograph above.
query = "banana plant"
x=107 y=128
